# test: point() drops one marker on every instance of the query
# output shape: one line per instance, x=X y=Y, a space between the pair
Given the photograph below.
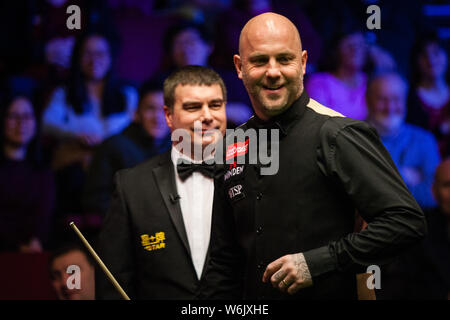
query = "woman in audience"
x=342 y=87
x=189 y=43
x=27 y=188
x=91 y=107
x=429 y=101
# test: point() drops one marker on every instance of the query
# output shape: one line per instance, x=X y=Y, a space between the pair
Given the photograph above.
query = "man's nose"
x=206 y=115
x=273 y=70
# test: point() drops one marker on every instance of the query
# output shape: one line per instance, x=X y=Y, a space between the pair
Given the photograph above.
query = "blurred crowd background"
x=78 y=105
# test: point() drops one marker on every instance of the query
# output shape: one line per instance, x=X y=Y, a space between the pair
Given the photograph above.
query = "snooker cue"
x=100 y=262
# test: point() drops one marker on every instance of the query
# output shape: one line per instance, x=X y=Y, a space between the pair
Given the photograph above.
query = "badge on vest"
x=154 y=242
x=236 y=193
x=234 y=170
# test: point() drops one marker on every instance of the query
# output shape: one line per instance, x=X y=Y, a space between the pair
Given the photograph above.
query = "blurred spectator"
x=187 y=43
x=52 y=40
x=423 y=272
x=438 y=240
x=342 y=87
x=91 y=107
x=147 y=136
x=60 y=260
x=34 y=35
x=401 y=20
x=413 y=150
x=429 y=101
x=27 y=189
x=380 y=60
x=192 y=44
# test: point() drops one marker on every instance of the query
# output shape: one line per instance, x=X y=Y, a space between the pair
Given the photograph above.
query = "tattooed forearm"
x=302 y=269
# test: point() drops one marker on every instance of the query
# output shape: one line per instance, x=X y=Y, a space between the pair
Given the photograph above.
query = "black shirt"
x=329 y=166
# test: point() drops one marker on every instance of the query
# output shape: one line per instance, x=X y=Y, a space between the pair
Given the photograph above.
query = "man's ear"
x=238 y=65
x=169 y=116
x=304 y=59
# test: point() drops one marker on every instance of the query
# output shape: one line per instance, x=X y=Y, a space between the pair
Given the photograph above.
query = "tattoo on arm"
x=302 y=269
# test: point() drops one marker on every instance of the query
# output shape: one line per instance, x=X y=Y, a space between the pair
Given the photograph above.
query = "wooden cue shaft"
x=100 y=262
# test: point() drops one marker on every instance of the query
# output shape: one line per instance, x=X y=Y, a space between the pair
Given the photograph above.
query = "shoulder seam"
x=321 y=109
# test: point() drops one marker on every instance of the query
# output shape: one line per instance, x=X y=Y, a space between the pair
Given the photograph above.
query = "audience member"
x=422 y=273
x=192 y=44
x=147 y=136
x=53 y=41
x=187 y=43
x=342 y=87
x=429 y=101
x=91 y=107
x=67 y=255
x=414 y=150
x=438 y=240
x=401 y=20
x=27 y=189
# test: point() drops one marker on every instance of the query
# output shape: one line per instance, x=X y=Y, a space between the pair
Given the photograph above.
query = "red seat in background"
x=25 y=276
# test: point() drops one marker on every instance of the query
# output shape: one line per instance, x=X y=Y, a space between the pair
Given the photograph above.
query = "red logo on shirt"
x=237 y=149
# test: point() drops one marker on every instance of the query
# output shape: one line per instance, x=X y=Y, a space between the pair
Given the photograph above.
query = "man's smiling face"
x=271 y=64
x=202 y=104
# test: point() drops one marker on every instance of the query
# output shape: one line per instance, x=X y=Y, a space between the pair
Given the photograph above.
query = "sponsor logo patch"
x=236 y=149
x=236 y=193
x=233 y=171
x=154 y=242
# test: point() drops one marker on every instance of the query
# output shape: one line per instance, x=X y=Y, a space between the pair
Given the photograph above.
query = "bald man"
x=414 y=150
x=290 y=234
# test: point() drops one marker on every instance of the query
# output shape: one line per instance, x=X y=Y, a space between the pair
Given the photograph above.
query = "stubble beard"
x=268 y=107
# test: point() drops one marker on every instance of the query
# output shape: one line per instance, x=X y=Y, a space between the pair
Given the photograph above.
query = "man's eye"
x=192 y=107
x=215 y=105
x=259 y=61
x=284 y=59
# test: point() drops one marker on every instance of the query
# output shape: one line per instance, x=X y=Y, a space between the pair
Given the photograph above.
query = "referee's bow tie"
x=185 y=169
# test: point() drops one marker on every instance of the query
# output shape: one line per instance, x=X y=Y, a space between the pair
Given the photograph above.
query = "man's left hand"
x=289 y=273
